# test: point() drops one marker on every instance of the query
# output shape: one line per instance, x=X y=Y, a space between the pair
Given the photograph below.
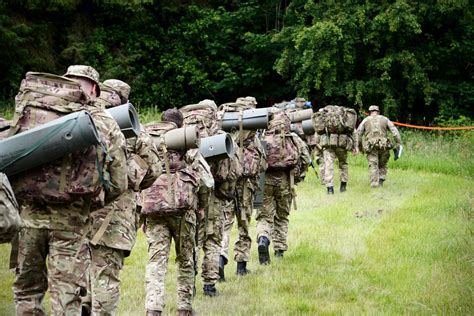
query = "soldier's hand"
x=355 y=151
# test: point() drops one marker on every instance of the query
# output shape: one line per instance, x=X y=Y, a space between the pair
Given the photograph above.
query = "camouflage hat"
x=374 y=108
x=85 y=72
x=121 y=87
x=300 y=100
x=251 y=99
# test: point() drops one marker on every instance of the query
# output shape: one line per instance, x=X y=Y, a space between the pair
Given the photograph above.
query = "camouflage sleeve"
x=145 y=148
x=304 y=157
x=116 y=160
x=394 y=131
x=360 y=131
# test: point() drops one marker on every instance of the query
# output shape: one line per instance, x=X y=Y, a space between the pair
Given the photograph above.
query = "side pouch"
x=324 y=140
x=333 y=140
x=137 y=169
x=342 y=141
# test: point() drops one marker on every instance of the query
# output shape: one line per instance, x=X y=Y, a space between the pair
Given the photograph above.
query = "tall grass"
x=406 y=248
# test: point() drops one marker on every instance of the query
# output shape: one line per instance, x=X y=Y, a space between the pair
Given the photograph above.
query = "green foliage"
x=397 y=54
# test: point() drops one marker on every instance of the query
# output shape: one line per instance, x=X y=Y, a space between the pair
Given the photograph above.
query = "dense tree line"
x=414 y=58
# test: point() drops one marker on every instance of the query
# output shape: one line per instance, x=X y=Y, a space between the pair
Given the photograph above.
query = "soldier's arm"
x=145 y=148
x=394 y=131
x=116 y=164
x=358 y=134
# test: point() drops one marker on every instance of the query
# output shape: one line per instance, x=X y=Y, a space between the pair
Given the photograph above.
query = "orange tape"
x=435 y=128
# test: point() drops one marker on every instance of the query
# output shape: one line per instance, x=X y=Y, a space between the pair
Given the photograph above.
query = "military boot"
x=242 y=268
x=263 y=255
x=279 y=253
x=330 y=190
x=152 y=313
x=381 y=182
x=222 y=263
x=210 y=290
x=343 y=187
x=185 y=312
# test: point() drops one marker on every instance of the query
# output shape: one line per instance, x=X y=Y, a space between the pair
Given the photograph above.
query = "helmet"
x=85 y=72
x=374 y=108
x=121 y=87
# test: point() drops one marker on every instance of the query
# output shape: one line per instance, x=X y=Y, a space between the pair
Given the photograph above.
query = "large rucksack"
x=281 y=149
x=250 y=148
x=9 y=217
x=108 y=97
x=376 y=136
x=333 y=119
x=175 y=190
x=42 y=98
x=203 y=116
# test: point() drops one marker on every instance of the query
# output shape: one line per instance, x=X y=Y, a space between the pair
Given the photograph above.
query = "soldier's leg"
x=228 y=223
x=159 y=239
x=31 y=281
x=244 y=241
x=265 y=214
x=105 y=267
x=343 y=165
x=66 y=272
x=212 y=246
x=329 y=157
x=384 y=156
x=280 y=227
x=373 y=160
x=185 y=243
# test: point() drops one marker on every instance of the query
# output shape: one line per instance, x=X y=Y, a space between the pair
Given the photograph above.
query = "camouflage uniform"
x=210 y=231
x=377 y=148
x=246 y=188
x=318 y=154
x=9 y=217
x=330 y=155
x=57 y=231
x=166 y=225
x=279 y=192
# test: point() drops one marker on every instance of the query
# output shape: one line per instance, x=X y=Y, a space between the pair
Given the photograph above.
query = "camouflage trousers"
x=244 y=242
x=159 y=232
x=104 y=281
x=378 y=160
x=272 y=217
x=319 y=158
x=65 y=271
x=330 y=155
x=210 y=239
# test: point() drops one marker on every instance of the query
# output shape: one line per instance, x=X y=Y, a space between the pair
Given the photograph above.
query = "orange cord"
x=435 y=128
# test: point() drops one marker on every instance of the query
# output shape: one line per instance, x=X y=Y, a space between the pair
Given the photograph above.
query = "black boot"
x=263 y=255
x=343 y=187
x=381 y=182
x=279 y=253
x=222 y=263
x=210 y=290
x=242 y=268
x=330 y=190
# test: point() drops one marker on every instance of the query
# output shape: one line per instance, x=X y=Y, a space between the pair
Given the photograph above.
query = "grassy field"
x=406 y=248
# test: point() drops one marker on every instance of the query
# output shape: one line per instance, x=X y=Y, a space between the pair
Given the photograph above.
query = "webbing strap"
x=103 y=227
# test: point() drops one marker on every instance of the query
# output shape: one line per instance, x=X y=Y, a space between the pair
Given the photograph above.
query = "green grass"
x=406 y=248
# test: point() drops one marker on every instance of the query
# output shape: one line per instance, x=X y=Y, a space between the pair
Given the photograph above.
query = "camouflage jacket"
x=74 y=216
x=9 y=216
x=371 y=123
x=121 y=229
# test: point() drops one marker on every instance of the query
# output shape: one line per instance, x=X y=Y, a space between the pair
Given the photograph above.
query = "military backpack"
x=42 y=98
x=333 y=119
x=375 y=136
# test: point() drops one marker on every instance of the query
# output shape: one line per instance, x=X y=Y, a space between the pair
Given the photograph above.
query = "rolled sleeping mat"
x=300 y=115
x=127 y=119
x=47 y=142
x=217 y=147
x=308 y=128
x=252 y=119
x=180 y=138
